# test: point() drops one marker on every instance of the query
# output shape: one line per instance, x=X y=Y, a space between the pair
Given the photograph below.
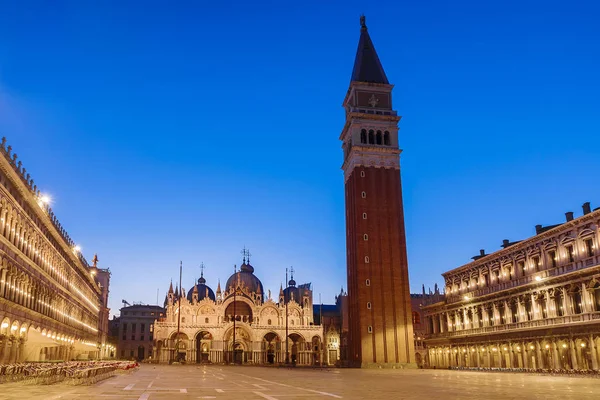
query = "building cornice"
x=592 y=217
x=28 y=191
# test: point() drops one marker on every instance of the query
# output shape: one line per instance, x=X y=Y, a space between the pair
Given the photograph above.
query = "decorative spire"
x=292 y=282
x=219 y=287
x=202 y=281
x=367 y=67
x=171 y=287
x=243 y=252
x=280 y=289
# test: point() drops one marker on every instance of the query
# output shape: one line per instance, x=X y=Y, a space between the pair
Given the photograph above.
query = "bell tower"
x=380 y=315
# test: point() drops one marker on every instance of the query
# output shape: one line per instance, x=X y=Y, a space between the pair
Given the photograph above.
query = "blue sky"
x=170 y=131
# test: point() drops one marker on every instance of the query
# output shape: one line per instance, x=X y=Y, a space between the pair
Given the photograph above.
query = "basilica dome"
x=203 y=291
x=245 y=276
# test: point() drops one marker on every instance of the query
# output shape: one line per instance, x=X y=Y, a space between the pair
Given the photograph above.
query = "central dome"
x=245 y=276
x=203 y=291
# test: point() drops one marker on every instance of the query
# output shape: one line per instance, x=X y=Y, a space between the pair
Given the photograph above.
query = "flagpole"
x=322 y=325
x=287 y=354
x=179 y=307
x=234 y=316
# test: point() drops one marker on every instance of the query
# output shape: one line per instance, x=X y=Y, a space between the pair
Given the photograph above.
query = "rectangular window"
x=142 y=338
x=124 y=337
x=552 y=255
x=522 y=268
x=536 y=263
x=133 y=337
x=122 y=353
x=143 y=328
x=124 y=327
x=133 y=328
x=150 y=338
x=589 y=247
x=570 y=253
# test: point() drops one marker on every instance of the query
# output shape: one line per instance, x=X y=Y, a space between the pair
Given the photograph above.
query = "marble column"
x=573 y=352
x=593 y=353
x=538 y=355
x=555 y=355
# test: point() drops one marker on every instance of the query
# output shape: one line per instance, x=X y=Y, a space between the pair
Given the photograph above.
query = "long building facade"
x=239 y=324
x=535 y=304
x=379 y=304
x=53 y=304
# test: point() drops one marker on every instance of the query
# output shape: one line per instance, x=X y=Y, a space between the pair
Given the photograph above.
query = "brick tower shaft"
x=380 y=324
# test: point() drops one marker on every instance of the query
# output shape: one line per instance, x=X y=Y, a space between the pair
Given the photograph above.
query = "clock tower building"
x=380 y=315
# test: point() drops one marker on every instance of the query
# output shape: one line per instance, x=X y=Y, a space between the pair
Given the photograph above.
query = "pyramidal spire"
x=367 y=67
x=171 y=287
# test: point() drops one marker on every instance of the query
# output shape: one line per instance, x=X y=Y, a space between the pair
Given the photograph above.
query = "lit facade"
x=51 y=304
x=534 y=304
x=379 y=304
x=207 y=332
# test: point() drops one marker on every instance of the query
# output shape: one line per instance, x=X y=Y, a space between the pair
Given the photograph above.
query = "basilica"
x=239 y=323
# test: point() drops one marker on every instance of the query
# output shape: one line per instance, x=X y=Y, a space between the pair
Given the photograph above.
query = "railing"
x=548 y=273
x=373 y=111
x=538 y=323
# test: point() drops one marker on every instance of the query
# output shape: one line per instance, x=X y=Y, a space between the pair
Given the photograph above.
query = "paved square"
x=236 y=382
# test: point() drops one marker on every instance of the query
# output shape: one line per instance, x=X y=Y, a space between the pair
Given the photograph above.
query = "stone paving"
x=237 y=382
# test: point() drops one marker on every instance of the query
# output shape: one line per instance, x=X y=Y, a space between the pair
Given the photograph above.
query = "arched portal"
x=298 y=344
x=178 y=345
x=203 y=346
x=272 y=345
x=238 y=344
x=316 y=347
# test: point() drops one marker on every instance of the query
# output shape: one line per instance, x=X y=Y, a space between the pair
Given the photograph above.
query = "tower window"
x=370 y=329
x=363 y=136
x=371 y=137
x=269 y=322
x=362 y=174
x=363 y=195
x=386 y=138
x=368 y=282
x=369 y=305
x=378 y=137
x=365 y=237
x=364 y=215
x=206 y=320
x=366 y=259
